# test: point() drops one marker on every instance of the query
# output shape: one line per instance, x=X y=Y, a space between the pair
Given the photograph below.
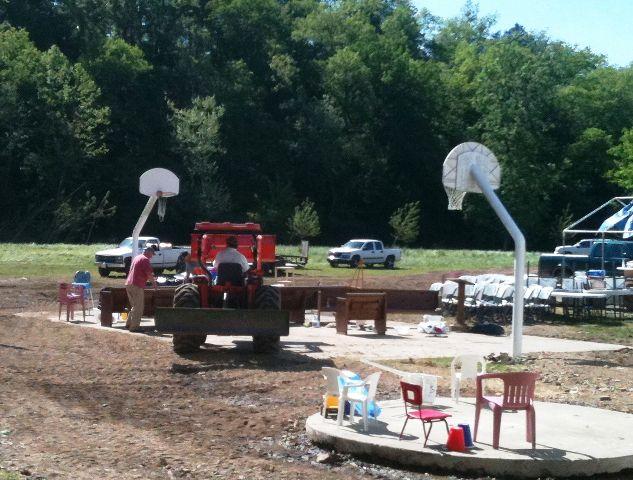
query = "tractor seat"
x=230 y=273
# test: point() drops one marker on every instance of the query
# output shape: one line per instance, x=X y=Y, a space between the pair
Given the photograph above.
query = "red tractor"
x=226 y=302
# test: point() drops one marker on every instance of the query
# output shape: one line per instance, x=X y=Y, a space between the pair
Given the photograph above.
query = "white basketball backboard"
x=159 y=180
x=456 y=171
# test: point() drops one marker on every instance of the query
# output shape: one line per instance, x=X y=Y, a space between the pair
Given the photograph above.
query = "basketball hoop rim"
x=161 y=194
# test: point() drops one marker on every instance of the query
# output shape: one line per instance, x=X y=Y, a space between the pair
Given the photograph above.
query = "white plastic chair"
x=548 y=282
x=567 y=284
x=470 y=278
x=448 y=292
x=364 y=393
x=468 y=369
x=331 y=388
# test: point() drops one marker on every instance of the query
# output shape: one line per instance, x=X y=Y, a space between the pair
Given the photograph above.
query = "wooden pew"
x=114 y=300
x=362 y=306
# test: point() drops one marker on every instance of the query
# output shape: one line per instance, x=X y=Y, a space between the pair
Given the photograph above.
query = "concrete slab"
x=324 y=343
x=570 y=440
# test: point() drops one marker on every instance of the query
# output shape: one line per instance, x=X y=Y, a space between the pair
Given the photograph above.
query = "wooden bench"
x=362 y=306
x=114 y=300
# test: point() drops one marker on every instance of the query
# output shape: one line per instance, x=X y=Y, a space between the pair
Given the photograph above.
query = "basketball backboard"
x=456 y=170
x=159 y=182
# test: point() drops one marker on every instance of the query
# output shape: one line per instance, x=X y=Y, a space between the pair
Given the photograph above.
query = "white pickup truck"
x=166 y=257
x=580 y=248
x=371 y=252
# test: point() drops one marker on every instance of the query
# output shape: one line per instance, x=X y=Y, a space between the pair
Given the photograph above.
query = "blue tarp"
x=621 y=220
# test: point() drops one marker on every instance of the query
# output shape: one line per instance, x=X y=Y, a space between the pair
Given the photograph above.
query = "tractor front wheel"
x=267 y=298
x=187 y=296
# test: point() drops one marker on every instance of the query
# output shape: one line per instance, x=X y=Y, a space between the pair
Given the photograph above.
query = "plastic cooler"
x=595 y=278
x=596 y=274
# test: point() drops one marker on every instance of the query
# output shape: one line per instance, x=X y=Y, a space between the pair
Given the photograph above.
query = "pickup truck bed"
x=615 y=253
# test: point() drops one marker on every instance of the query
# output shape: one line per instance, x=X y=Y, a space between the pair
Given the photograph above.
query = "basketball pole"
x=151 y=201
x=519 y=255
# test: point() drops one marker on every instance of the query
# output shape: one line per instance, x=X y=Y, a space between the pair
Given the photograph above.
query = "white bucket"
x=428 y=384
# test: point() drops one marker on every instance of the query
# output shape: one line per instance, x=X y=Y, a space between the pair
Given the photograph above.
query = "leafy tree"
x=405 y=223
x=196 y=131
x=353 y=104
x=75 y=219
x=51 y=134
x=622 y=174
x=304 y=223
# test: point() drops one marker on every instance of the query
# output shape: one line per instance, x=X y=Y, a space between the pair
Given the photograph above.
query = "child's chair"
x=70 y=296
x=331 y=397
x=83 y=278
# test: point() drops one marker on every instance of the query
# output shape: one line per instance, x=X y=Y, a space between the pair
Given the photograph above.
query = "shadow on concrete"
x=545 y=452
x=214 y=357
x=375 y=336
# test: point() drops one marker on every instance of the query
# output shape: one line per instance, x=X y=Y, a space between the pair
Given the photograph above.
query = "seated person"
x=190 y=266
x=230 y=255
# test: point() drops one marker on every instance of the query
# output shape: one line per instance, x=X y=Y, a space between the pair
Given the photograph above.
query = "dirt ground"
x=86 y=403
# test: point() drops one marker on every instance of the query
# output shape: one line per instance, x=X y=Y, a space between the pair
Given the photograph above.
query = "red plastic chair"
x=518 y=394
x=412 y=396
x=70 y=295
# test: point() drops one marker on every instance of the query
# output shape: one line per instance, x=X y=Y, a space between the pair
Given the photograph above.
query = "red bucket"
x=456 y=441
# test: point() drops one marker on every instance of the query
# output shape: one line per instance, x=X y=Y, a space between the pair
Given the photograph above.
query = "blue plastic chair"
x=83 y=279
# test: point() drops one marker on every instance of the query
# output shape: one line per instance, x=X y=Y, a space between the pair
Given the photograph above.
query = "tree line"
x=264 y=107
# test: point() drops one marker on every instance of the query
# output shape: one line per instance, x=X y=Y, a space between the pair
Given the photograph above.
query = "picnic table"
x=581 y=301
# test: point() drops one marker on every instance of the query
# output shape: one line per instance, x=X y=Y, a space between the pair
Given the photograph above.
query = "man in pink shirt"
x=140 y=272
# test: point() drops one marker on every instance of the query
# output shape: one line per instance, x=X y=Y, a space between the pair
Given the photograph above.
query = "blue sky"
x=605 y=26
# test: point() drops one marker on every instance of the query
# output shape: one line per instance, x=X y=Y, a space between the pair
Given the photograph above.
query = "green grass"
x=620 y=332
x=414 y=365
x=42 y=260
x=4 y=475
x=416 y=261
x=610 y=330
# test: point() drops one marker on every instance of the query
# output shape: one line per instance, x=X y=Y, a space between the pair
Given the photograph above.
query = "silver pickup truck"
x=371 y=252
x=166 y=256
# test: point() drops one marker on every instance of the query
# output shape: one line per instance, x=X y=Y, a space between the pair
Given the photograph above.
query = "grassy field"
x=417 y=260
x=419 y=364
x=37 y=260
x=29 y=259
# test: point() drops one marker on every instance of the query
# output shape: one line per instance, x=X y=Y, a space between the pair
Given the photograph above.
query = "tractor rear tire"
x=267 y=298
x=187 y=296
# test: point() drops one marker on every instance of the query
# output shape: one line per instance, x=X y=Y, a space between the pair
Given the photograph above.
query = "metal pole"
x=318 y=308
x=519 y=256
x=141 y=222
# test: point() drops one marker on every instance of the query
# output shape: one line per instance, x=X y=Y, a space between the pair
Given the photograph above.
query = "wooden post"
x=105 y=301
x=461 y=296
